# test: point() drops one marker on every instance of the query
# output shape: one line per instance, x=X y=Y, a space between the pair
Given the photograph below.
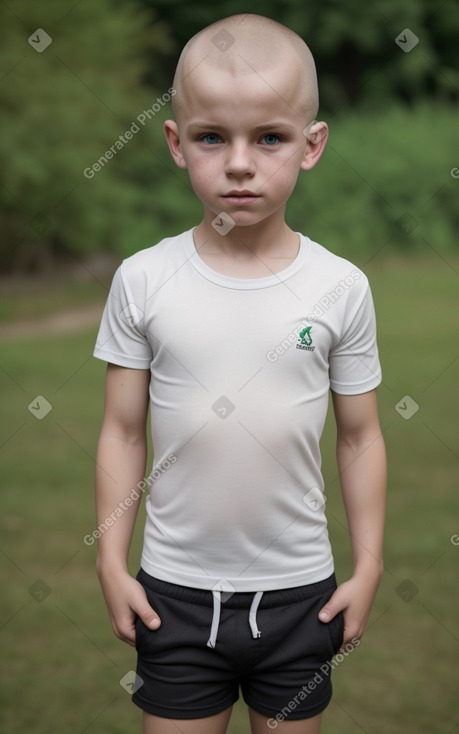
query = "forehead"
x=241 y=89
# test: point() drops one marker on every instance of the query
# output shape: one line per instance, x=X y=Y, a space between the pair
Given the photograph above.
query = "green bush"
x=61 y=108
x=383 y=181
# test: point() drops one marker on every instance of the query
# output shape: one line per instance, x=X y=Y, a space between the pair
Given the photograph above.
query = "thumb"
x=149 y=617
x=330 y=610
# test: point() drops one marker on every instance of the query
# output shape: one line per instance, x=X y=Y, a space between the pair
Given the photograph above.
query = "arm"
x=361 y=461
x=121 y=459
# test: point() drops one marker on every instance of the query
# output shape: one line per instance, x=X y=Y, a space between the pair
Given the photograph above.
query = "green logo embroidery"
x=305 y=339
x=305 y=336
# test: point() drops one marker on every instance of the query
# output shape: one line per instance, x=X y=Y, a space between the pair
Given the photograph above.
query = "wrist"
x=371 y=573
x=110 y=566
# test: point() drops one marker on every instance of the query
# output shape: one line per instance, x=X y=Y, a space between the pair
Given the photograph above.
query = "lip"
x=244 y=192
x=240 y=197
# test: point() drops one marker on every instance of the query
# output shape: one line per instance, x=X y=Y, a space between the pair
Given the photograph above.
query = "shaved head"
x=249 y=45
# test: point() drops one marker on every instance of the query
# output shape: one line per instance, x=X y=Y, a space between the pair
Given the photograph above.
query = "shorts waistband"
x=238 y=599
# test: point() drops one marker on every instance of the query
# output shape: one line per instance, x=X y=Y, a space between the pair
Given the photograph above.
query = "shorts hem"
x=175 y=713
x=294 y=715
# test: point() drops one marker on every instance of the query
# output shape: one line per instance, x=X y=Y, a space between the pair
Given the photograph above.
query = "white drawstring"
x=215 y=619
x=253 y=614
x=212 y=641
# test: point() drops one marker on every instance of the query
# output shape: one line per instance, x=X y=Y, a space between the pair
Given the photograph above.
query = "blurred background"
x=78 y=79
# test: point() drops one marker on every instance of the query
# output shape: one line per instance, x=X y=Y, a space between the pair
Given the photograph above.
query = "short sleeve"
x=121 y=338
x=354 y=361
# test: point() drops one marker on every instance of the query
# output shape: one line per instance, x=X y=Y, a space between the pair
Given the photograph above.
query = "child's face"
x=241 y=141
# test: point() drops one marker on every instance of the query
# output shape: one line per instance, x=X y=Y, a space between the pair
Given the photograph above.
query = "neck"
x=272 y=236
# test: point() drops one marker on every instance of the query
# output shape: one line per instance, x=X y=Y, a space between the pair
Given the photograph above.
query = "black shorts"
x=280 y=658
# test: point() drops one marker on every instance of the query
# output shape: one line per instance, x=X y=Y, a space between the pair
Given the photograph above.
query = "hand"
x=126 y=599
x=355 y=599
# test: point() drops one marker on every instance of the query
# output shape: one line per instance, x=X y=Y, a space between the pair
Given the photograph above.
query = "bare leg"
x=209 y=725
x=259 y=725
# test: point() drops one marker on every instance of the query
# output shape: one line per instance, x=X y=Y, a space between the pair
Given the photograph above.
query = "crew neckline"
x=228 y=281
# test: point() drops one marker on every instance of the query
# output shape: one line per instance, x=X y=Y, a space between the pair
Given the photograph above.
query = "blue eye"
x=211 y=138
x=271 y=139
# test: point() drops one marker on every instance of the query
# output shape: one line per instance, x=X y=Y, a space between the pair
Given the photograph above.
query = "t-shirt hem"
x=269 y=583
x=358 y=389
x=121 y=360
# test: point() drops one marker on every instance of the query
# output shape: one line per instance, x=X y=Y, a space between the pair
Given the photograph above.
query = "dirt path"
x=62 y=323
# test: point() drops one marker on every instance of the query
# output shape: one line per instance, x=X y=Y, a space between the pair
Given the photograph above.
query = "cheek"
x=200 y=166
x=283 y=177
x=202 y=175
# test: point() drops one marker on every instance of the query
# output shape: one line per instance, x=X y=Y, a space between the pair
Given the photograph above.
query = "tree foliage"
x=385 y=188
x=60 y=110
x=358 y=61
x=64 y=109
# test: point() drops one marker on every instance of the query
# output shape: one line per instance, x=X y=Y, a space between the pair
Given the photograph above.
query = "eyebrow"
x=270 y=125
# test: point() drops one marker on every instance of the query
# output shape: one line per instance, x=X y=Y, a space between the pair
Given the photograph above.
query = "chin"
x=247 y=219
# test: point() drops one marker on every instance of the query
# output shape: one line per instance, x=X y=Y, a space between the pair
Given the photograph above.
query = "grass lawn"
x=62 y=662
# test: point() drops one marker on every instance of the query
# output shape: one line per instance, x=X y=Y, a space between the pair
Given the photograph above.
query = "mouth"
x=240 y=197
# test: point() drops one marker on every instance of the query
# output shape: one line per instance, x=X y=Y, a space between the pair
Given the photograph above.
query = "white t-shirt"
x=240 y=377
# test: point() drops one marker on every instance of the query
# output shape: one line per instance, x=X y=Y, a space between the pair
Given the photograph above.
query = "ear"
x=172 y=134
x=316 y=134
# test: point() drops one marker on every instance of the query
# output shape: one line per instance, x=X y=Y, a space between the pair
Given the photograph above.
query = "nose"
x=239 y=161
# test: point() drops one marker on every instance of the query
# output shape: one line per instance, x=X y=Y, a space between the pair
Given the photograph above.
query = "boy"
x=235 y=331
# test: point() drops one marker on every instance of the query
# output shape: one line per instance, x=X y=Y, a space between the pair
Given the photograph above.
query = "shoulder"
x=336 y=279
x=167 y=253
x=333 y=266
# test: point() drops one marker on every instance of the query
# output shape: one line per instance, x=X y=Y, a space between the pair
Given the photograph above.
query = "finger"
x=331 y=609
x=125 y=632
x=128 y=640
x=141 y=608
x=349 y=644
x=149 y=617
x=353 y=635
